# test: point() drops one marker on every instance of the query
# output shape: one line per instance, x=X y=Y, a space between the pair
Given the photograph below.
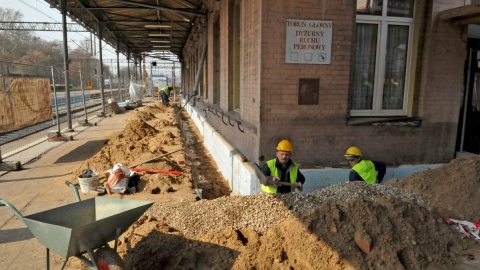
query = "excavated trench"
x=193 y=150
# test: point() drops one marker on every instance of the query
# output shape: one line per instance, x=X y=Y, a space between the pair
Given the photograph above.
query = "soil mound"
x=351 y=225
x=155 y=109
x=142 y=115
x=137 y=129
x=451 y=190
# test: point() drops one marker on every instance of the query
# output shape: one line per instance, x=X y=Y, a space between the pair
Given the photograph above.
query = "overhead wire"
x=36 y=9
x=57 y=21
x=112 y=50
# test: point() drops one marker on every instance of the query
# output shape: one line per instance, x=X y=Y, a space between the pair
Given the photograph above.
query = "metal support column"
x=66 y=62
x=202 y=62
x=57 y=115
x=140 y=68
x=118 y=72
x=85 y=122
x=102 y=81
x=128 y=67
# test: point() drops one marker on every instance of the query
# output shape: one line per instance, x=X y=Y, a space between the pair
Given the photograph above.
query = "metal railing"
x=26 y=98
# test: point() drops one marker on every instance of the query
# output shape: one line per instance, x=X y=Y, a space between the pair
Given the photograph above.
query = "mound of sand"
x=451 y=191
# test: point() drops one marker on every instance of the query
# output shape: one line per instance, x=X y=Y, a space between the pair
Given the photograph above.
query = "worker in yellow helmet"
x=363 y=169
x=283 y=175
x=165 y=93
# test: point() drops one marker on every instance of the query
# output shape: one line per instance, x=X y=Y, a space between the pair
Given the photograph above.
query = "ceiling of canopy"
x=155 y=28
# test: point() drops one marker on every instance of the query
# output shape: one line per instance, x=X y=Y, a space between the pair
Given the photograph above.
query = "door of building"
x=470 y=116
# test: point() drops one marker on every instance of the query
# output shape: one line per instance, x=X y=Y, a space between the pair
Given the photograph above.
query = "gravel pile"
x=258 y=212
x=261 y=212
x=359 y=190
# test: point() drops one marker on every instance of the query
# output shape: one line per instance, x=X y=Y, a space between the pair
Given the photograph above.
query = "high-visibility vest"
x=366 y=170
x=166 y=90
x=293 y=170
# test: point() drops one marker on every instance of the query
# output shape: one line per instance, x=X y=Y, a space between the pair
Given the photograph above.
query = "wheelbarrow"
x=80 y=228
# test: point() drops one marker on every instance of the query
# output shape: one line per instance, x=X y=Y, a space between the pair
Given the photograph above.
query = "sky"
x=40 y=11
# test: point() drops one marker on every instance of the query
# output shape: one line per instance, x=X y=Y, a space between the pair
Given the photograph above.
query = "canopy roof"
x=158 y=28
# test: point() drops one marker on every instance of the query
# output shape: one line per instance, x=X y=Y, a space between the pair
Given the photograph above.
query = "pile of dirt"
x=451 y=190
x=138 y=129
x=145 y=138
x=345 y=226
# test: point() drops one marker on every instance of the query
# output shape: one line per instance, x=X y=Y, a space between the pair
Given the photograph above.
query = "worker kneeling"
x=283 y=175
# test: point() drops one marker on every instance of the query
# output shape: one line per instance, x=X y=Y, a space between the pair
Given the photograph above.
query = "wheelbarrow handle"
x=14 y=210
x=74 y=189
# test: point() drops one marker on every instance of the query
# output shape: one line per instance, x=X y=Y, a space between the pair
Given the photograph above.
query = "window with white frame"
x=382 y=57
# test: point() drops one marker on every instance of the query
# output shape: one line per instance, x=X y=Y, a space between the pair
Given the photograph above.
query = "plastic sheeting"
x=24 y=102
x=467 y=228
x=136 y=91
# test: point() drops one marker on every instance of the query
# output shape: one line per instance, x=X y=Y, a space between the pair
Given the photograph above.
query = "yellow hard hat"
x=285 y=145
x=352 y=152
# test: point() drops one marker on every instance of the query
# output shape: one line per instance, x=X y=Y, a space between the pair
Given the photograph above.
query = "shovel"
x=87 y=173
x=136 y=169
x=263 y=179
x=155 y=158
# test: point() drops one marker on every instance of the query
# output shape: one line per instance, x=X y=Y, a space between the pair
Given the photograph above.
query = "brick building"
x=386 y=76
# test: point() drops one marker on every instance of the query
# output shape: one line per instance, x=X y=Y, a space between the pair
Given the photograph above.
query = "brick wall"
x=315 y=130
x=320 y=133
x=243 y=134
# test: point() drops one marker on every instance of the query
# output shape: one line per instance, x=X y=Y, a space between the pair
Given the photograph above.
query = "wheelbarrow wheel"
x=108 y=259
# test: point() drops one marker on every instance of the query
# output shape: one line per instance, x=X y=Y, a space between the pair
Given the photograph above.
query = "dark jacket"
x=284 y=176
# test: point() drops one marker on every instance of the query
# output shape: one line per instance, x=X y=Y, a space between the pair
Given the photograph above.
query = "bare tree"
x=81 y=60
x=12 y=43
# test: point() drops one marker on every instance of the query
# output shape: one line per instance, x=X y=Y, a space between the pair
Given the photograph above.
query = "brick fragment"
x=363 y=241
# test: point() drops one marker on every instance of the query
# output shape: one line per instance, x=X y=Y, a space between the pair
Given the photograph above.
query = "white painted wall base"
x=241 y=175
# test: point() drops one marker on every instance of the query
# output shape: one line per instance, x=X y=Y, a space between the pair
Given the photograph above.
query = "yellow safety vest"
x=166 y=90
x=366 y=170
x=293 y=170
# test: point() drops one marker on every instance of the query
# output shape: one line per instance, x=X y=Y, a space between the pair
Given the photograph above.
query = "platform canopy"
x=157 y=28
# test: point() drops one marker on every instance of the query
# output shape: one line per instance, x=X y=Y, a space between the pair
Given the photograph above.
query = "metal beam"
x=147 y=31
x=85 y=16
x=41 y=26
x=104 y=8
x=177 y=10
x=144 y=21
